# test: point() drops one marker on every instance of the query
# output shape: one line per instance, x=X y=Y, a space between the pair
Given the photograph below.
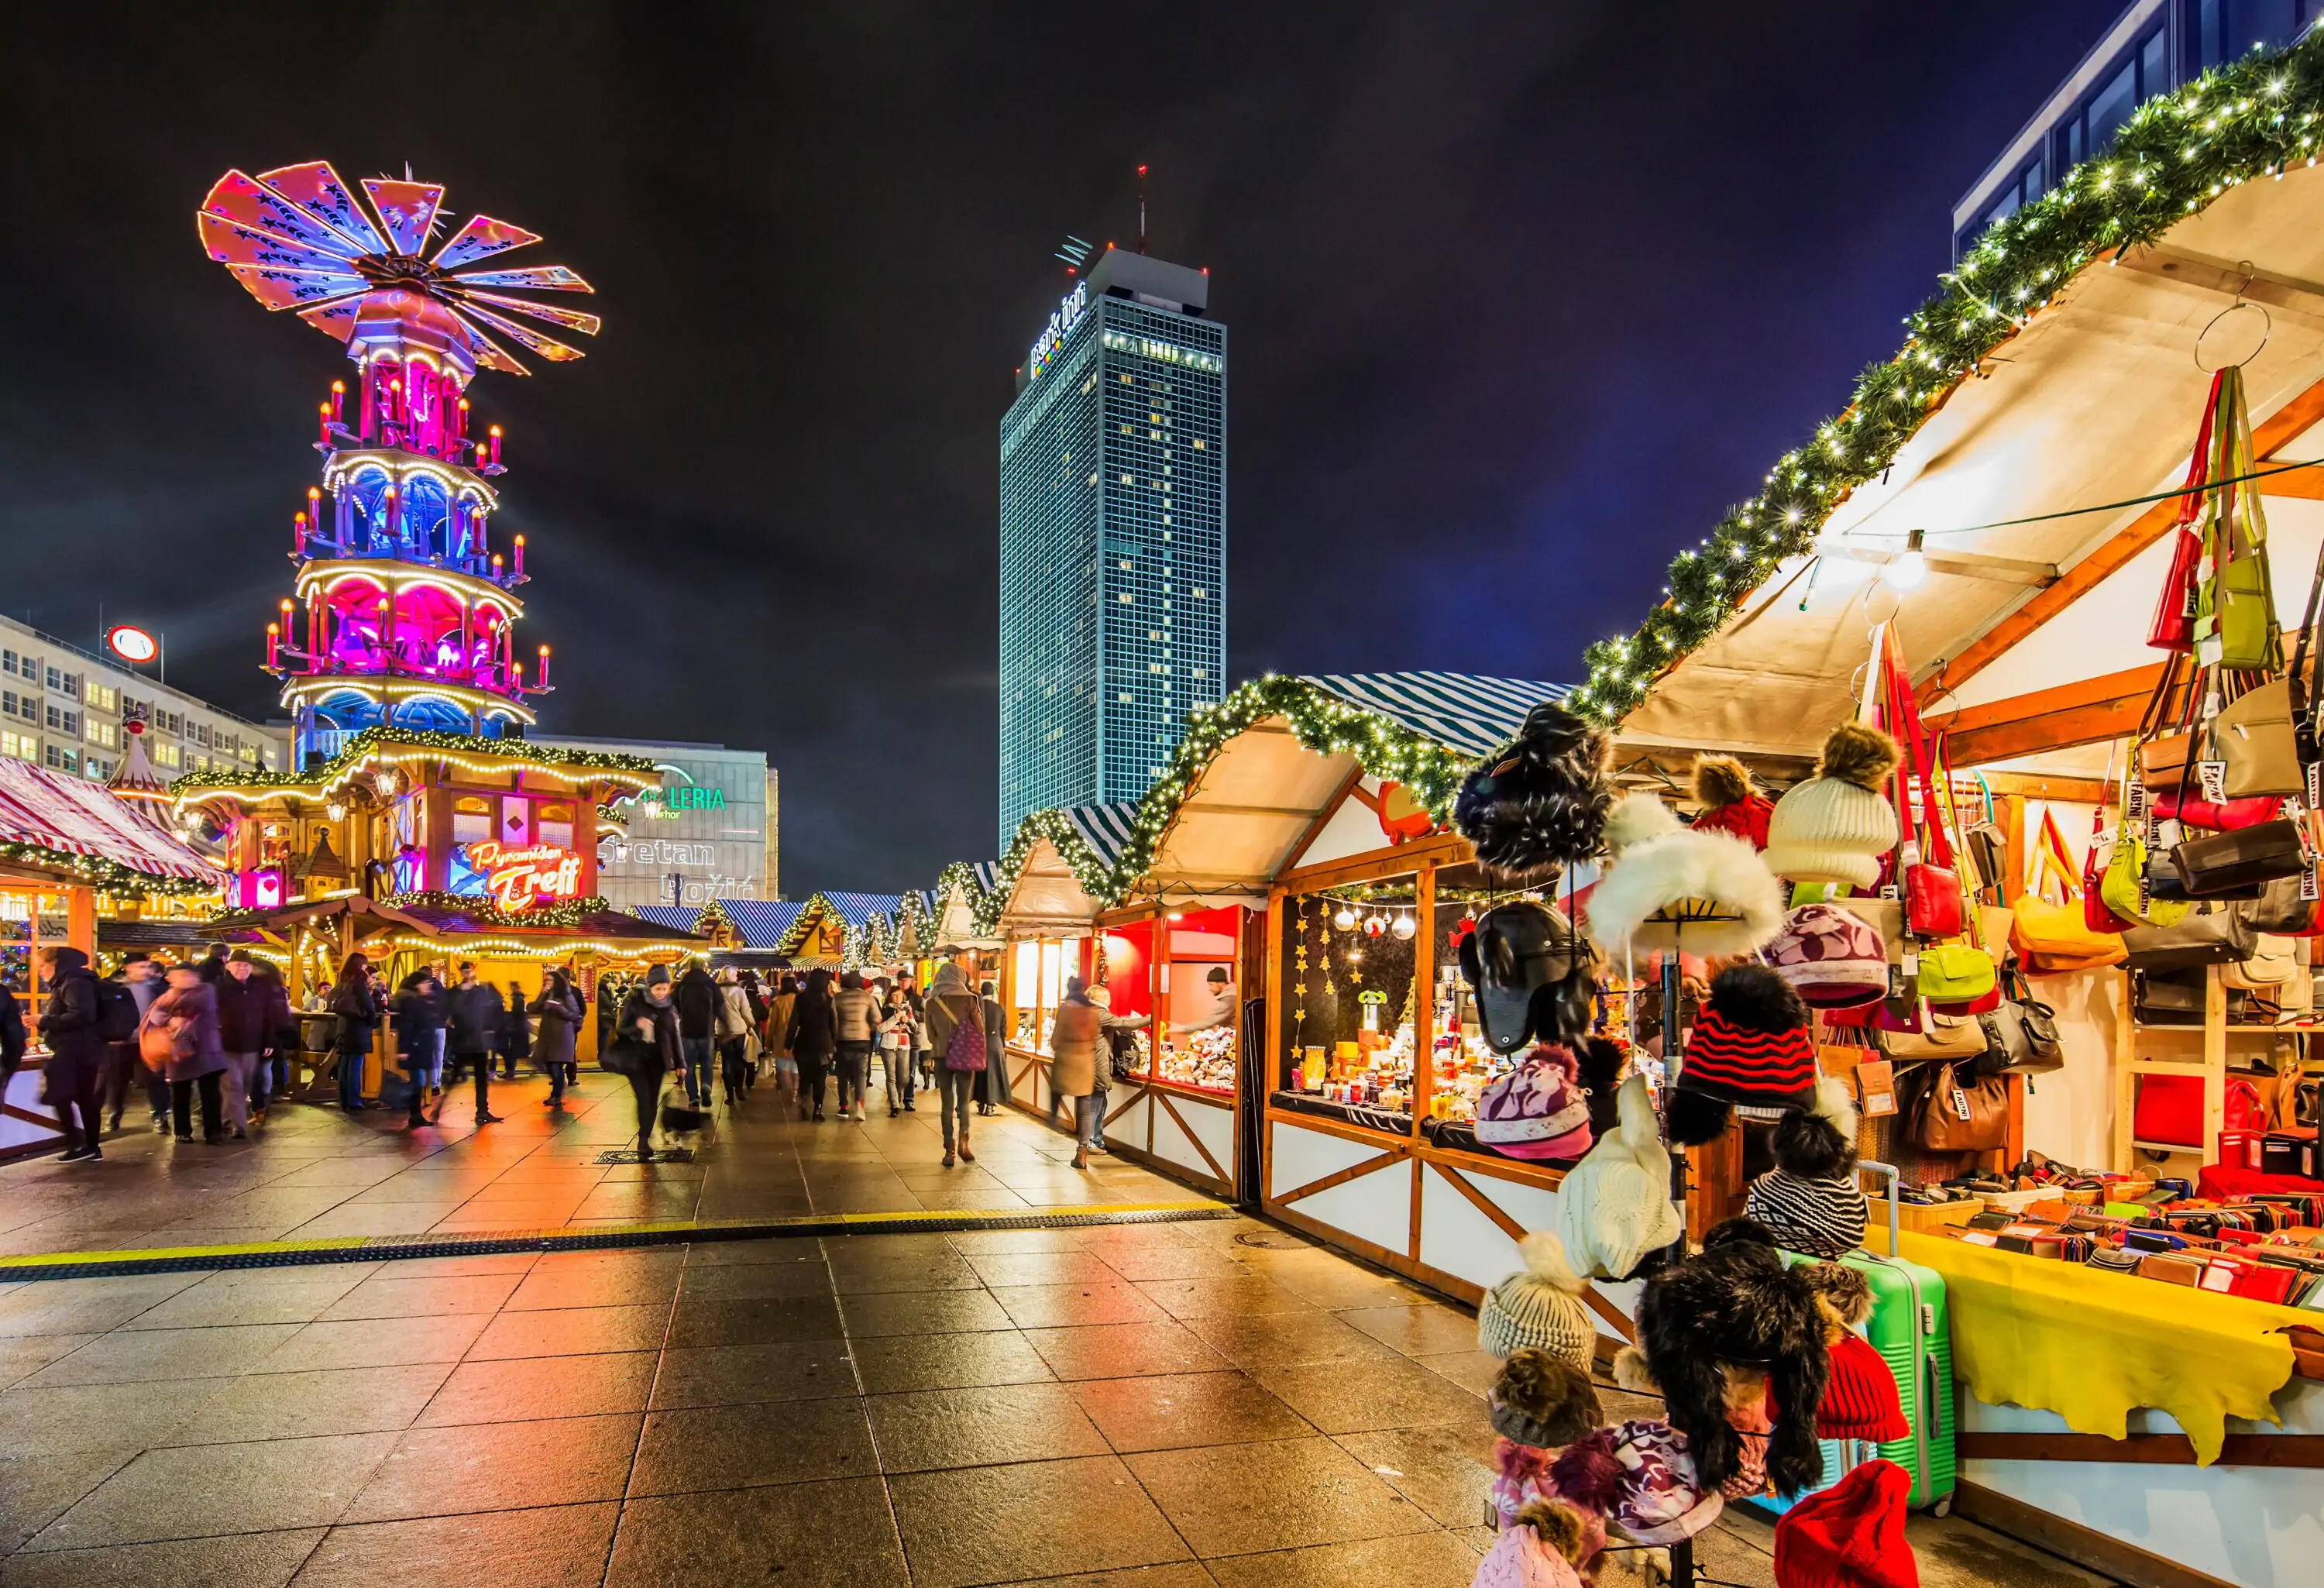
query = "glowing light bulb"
x=1911 y=567
x=1344 y=918
x=1404 y=927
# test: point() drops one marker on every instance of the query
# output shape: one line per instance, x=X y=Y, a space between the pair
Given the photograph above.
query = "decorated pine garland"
x=469 y=750
x=2174 y=156
x=563 y=916
x=100 y=872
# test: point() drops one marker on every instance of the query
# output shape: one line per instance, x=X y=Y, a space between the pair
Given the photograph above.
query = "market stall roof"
x=1272 y=761
x=1059 y=870
x=961 y=890
x=2053 y=374
x=762 y=922
x=52 y=822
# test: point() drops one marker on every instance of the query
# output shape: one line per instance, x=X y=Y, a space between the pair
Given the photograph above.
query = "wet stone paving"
x=1213 y=1402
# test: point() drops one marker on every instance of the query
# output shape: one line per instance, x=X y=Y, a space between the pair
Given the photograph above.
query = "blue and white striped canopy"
x=671 y=918
x=1105 y=828
x=761 y=921
x=857 y=908
x=1473 y=715
x=987 y=873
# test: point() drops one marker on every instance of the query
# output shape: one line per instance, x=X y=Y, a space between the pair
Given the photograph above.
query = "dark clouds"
x=1520 y=295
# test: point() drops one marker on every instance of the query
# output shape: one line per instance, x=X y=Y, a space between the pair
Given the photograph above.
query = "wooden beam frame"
x=2085 y=712
x=1356 y=1170
x=2286 y=424
x=2279 y=1451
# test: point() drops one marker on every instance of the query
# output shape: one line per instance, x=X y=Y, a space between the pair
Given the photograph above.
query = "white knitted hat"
x=1835 y=826
x=1615 y=1205
x=1539 y=1307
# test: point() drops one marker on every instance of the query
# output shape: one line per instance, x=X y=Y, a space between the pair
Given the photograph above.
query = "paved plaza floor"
x=1177 y=1405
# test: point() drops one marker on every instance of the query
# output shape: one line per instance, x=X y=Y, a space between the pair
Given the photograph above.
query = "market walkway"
x=1170 y=1405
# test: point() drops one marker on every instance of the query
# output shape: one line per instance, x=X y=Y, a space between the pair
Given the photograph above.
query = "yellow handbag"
x=2119 y=890
x=1955 y=973
x=2051 y=934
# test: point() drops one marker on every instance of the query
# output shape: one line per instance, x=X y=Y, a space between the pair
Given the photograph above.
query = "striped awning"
x=674 y=917
x=1105 y=828
x=987 y=873
x=858 y=909
x=1471 y=715
x=761 y=921
x=70 y=815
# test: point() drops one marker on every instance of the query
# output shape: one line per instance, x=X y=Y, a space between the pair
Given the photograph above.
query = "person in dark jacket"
x=13 y=1039
x=472 y=1026
x=188 y=1012
x=76 y=1068
x=992 y=1086
x=698 y=1002
x=648 y=1030
x=282 y=1040
x=813 y=1036
x=357 y=1007
x=247 y=1021
x=559 y=1011
x=141 y=974
x=515 y=1040
x=418 y=1020
x=212 y=969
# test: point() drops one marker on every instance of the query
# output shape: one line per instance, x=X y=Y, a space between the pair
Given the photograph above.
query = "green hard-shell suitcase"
x=1912 y=1329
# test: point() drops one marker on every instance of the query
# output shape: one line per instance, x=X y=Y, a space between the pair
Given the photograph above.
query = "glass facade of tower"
x=1112 y=551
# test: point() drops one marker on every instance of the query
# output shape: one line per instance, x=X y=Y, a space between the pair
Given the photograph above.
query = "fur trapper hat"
x=1835 y=826
x=1731 y=802
x=1737 y=1305
x=1542 y=1400
x=1537 y=803
x=1711 y=891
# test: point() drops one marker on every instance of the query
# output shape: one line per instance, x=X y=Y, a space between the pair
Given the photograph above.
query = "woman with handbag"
x=358 y=1010
x=734 y=1036
x=1077 y=1046
x=813 y=1037
x=956 y=1028
x=186 y=1019
x=559 y=1010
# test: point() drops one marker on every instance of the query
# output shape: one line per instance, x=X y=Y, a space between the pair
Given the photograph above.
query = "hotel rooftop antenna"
x=1141 y=209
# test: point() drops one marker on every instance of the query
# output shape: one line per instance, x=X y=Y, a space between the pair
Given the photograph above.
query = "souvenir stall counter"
x=2044 y=505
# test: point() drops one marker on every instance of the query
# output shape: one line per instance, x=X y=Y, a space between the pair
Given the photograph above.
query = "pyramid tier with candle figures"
x=416 y=809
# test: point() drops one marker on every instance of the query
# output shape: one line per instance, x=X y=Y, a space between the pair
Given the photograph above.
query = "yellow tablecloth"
x=2090 y=1345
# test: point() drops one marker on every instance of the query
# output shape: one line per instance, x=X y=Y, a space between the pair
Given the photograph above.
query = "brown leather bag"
x=1964 y=1118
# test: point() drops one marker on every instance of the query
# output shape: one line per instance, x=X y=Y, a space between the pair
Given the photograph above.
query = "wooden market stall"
x=1049 y=891
x=2001 y=501
x=68 y=846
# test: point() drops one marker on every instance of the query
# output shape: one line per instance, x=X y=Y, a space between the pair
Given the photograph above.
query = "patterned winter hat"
x=1751 y=1048
x=1832 y=958
x=1537 y=1110
x=1661 y=1500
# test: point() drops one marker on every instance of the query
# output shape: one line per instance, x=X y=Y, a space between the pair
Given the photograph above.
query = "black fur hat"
x=1736 y=1303
x=1542 y=1400
x=1538 y=803
x=1600 y=1064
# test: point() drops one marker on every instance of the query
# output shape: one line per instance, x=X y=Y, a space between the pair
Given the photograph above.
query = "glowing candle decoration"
x=273 y=644
x=520 y=540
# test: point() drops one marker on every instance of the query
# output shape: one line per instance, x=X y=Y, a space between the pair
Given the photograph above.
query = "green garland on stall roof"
x=960 y=875
x=1089 y=868
x=97 y=872
x=563 y=916
x=2175 y=154
x=352 y=752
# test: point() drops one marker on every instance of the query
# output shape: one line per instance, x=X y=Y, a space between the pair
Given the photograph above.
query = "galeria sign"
x=518 y=878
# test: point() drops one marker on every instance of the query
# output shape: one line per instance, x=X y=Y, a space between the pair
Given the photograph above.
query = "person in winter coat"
x=856 y=1013
x=513 y=1043
x=188 y=1012
x=141 y=974
x=1077 y=1046
x=273 y=1073
x=734 y=1036
x=248 y=1018
x=69 y=1023
x=812 y=1035
x=699 y=1002
x=12 y=1036
x=471 y=1031
x=777 y=1028
x=951 y=1006
x=648 y=1030
x=419 y=1022
x=559 y=1011
x=991 y=1086
x=358 y=1008
x=756 y=997
x=900 y=1038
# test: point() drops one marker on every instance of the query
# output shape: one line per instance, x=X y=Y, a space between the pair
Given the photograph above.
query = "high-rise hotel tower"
x=1113 y=537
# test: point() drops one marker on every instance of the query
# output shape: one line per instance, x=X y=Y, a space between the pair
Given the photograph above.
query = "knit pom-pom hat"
x=1537 y=803
x=1751 y=1048
x=1539 y=1308
x=1542 y=1400
x=1532 y=1553
x=1614 y=1206
x=1731 y=802
x=1835 y=826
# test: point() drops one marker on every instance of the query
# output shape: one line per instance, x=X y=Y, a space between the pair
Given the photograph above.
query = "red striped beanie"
x=1751 y=1046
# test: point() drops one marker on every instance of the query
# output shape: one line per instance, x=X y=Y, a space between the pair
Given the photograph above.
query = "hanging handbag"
x=2254 y=738
x=2124 y=889
x=2279 y=909
x=2212 y=935
x=1955 y=1117
x=2219 y=865
x=2192 y=811
x=2052 y=935
x=2274 y=962
x=1928 y=884
x=1956 y=1037
x=2173 y=627
x=1987 y=846
x=625 y=1056
x=2234 y=616
x=1955 y=973
x=2024 y=1030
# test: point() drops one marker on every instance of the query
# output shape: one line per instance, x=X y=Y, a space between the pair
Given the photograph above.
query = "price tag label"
x=1912 y=962
x=1960 y=1103
x=2315 y=771
x=2133 y=807
x=2214 y=775
x=2310 y=889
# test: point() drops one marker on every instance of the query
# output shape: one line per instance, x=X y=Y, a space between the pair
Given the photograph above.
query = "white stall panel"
x=1212 y=1125
x=1302 y=1156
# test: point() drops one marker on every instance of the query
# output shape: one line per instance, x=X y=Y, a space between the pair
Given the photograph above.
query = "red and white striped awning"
x=49 y=810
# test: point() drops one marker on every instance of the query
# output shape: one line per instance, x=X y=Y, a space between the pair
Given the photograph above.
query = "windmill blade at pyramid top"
x=481 y=238
x=524 y=336
x=572 y=320
x=316 y=189
x=552 y=278
x=407 y=210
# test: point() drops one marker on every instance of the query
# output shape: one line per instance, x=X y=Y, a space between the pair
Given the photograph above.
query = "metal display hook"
x=2267 y=324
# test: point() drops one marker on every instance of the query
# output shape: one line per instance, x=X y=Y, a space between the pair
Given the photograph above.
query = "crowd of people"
x=217 y=1038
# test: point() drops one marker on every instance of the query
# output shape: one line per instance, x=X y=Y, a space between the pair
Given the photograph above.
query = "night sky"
x=1520 y=297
